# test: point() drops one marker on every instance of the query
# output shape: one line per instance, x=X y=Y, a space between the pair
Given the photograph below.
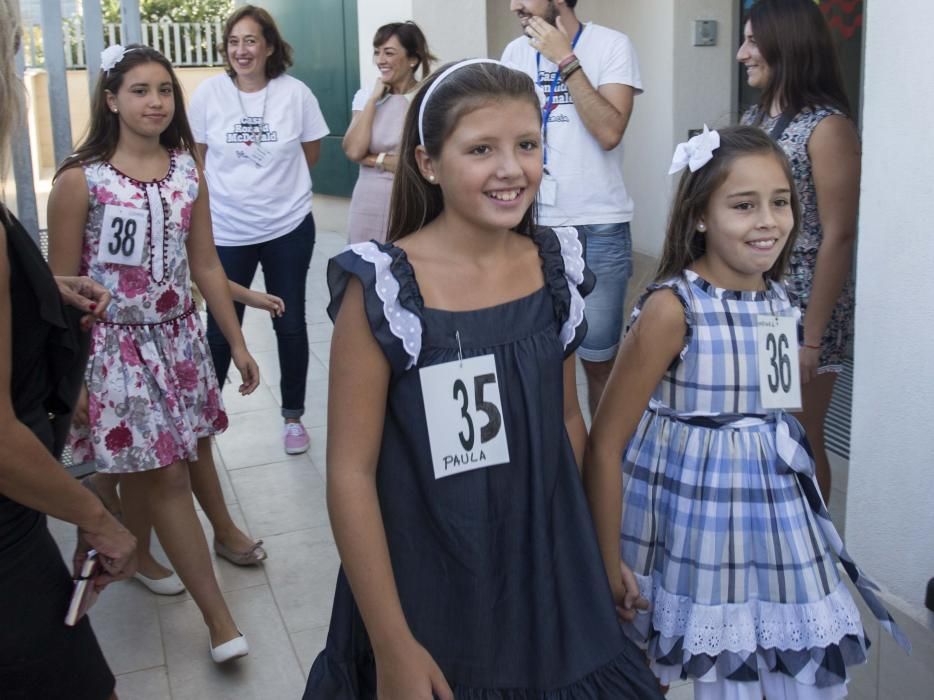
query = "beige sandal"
x=251 y=557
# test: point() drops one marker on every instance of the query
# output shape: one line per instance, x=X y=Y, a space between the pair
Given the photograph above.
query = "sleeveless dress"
x=498 y=569
x=799 y=277
x=724 y=526
x=152 y=390
x=39 y=656
x=369 y=204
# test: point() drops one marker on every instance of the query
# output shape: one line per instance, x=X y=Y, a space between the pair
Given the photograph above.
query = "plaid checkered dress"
x=746 y=597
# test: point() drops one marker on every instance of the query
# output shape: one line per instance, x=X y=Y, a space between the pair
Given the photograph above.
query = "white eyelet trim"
x=403 y=324
x=744 y=627
x=573 y=254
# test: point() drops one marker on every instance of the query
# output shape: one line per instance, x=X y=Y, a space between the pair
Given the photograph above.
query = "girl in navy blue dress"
x=470 y=567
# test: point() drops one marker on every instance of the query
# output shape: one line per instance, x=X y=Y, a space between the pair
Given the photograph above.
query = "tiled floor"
x=158 y=646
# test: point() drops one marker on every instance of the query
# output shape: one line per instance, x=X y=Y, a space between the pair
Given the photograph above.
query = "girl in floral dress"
x=130 y=209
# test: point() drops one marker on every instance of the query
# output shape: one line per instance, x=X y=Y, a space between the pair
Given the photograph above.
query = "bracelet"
x=570 y=69
x=379 y=160
x=566 y=61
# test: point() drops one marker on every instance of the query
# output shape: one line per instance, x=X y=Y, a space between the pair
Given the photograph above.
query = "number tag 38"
x=779 y=372
x=123 y=235
x=464 y=414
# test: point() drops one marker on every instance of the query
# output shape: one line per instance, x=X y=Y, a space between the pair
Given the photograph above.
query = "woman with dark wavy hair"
x=789 y=54
x=400 y=51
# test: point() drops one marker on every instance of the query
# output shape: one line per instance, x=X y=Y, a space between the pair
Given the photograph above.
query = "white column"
x=890 y=494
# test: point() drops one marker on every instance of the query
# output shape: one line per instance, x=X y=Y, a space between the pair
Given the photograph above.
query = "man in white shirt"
x=590 y=76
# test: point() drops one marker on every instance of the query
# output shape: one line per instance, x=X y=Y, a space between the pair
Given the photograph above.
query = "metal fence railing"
x=183 y=43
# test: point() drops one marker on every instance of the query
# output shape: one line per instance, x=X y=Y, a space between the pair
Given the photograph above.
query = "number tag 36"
x=464 y=414
x=779 y=372
x=123 y=235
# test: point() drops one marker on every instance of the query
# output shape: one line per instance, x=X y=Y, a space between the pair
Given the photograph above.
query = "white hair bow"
x=696 y=152
x=111 y=56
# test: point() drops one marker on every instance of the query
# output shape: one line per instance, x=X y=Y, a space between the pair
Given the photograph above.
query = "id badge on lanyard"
x=464 y=415
x=550 y=100
x=777 y=359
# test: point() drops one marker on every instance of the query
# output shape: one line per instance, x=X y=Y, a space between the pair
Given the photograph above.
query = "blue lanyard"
x=549 y=104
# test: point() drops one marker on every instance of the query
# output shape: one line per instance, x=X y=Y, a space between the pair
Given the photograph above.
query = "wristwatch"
x=379 y=160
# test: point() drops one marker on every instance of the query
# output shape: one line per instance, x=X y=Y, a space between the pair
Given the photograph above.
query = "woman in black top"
x=41 y=365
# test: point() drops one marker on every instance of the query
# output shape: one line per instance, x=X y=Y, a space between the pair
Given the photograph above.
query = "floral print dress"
x=152 y=391
x=799 y=277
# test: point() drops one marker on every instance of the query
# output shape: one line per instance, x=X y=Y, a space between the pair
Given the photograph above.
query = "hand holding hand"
x=552 y=42
x=249 y=370
x=408 y=672
x=626 y=595
x=86 y=295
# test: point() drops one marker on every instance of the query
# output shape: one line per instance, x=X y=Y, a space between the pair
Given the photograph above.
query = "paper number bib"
x=123 y=235
x=779 y=372
x=464 y=414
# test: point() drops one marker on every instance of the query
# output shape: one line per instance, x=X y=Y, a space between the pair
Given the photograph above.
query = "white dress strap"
x=403 y=324
x=573 y=254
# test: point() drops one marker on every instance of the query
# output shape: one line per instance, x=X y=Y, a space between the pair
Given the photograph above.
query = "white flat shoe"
x=228 y=651
x=170 y=585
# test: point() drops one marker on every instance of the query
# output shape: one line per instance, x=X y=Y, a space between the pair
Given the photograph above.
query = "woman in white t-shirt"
x=259 y=131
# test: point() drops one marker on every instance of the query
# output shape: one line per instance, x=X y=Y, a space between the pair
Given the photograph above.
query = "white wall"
x=371 y=15
x=705 y=83
x=501 y=26
x=648 y=141
x=455 y=30
x=890 y=494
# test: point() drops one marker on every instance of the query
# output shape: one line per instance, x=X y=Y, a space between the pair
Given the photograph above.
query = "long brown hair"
x=103 y=134
x=413 y=41
x=281 y=57
x=683 y=242
x=795 y=42
x=415 y=202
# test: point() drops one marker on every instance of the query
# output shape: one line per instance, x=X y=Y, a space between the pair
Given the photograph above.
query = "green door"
x=323 y=35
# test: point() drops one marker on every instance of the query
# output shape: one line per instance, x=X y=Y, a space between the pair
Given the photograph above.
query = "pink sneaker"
x=295 y=439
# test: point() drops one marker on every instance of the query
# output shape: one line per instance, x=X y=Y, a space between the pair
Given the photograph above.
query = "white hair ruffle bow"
x=111 y=56
x=696 y=152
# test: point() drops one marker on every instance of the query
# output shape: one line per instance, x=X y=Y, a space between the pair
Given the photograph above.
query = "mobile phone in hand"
x=84 y=595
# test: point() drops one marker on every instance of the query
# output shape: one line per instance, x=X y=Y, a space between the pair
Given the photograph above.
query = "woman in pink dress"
x=372 y=139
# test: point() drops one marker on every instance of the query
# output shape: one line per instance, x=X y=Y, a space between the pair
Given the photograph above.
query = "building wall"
x=890 y=504
x=40 y=120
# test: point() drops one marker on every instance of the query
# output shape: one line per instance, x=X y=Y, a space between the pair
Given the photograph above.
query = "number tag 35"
x=464 y=414
x=779 y=372
x=123 y=235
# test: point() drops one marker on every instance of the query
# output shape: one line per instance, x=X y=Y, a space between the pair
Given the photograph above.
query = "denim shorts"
x=608 y=253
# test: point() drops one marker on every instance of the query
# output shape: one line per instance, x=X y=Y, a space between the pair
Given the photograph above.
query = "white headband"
x=437 y=82
x=696 y=152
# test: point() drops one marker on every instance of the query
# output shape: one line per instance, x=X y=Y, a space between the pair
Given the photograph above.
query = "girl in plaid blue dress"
x=722 y=522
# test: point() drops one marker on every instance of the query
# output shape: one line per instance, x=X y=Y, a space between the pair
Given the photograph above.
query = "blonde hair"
x=11 y=87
